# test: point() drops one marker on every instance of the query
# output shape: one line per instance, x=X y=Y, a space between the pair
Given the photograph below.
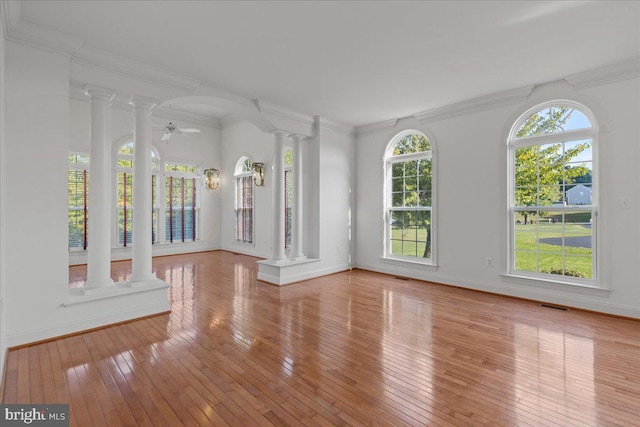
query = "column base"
x=135 y=282
x=298 y=258
x=97 y=288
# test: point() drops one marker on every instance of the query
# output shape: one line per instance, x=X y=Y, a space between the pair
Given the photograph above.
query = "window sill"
x=589 y=288
x=423 y=265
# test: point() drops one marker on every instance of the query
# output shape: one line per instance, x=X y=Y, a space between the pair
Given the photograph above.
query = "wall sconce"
x=258 y=173
x=213 y=178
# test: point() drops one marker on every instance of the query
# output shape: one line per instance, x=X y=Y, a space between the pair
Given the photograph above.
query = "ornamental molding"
x=77 y=92
x=20 y=31
x=604 y=75
x=283 y=118
x=100 y=59
x=335 y=126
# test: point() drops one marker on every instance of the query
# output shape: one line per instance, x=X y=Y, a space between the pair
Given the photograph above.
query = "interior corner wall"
x=471 y=205
x=336 y=207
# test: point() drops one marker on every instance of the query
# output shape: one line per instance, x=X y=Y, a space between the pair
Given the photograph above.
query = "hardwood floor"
x=354 y=348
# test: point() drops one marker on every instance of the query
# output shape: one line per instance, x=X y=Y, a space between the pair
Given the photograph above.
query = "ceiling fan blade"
x=165 y=137
x=190 y=130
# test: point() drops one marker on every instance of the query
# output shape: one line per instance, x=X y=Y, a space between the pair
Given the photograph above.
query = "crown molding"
x=375 y=128
x=337 y=127
x=604 y=75
x=121 y=102
x=100 y=59
x=18 y=30
x=10 y=12
x=495 y=100
x=40 y=37
x=276 y=110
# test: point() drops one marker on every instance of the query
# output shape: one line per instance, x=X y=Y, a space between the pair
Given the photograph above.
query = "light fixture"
x=213 y=178
x=257 y=169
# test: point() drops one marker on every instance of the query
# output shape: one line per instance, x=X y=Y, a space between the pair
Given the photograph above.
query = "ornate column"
x=297 y=252
x=99 y=207
x=278 y=196
x=142 y=232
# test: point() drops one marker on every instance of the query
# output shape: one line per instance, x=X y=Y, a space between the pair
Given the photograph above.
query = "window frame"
x=81 y=167
x=156 y=174
x=240 y=175
x=196 y=176
x=565 y=137
x=388 y=161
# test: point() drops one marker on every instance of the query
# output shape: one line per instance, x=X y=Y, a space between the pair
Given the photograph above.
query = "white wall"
x=471 y=206
x=244 y=139
x=37 y=129
x=200 y=148
x=3 y=341
x=336 y=184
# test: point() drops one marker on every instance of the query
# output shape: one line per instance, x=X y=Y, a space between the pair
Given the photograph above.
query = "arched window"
x=288 y=196
x=124 y=192
x=553 y=196
x=78 y=186
x=409 y=197
x=244 y=200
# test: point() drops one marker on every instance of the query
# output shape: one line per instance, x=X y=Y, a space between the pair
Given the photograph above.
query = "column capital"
x=100 y=93
x=296 y=137
x=142 y=102
x=278 y=133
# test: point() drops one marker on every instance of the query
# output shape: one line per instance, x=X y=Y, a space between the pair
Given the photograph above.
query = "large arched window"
x=244 y=200
x=409 y=196
x=553 y=196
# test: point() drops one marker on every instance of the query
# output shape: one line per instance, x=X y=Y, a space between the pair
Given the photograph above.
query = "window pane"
x=397 y=228
x=397 y=170
x=424 y=175
x=409 y=144
x=553 y=119
x=411 y=233
x=397 y=184
x=580 y=194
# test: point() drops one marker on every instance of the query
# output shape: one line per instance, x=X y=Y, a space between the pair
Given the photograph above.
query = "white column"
x=99 y=207
x=297 y=253
x=278 y=196
x=141 y=261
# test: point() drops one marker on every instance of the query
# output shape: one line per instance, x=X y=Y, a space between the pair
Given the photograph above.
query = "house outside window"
x=553 y=194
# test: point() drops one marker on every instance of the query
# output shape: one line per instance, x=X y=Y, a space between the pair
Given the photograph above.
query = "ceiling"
x=357 y=62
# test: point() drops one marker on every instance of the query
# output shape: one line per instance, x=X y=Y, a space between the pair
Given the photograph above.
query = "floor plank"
x=354 y=348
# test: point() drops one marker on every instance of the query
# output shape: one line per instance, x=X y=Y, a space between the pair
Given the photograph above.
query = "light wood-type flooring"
x=354 y=348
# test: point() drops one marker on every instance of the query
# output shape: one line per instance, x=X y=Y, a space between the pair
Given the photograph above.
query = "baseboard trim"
x=517 y=291
x=86 y=325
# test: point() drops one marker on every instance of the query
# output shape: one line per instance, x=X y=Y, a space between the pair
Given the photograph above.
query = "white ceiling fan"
x=171 y=129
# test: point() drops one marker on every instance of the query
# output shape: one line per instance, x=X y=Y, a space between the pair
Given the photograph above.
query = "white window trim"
x=237 y=176
x=513 y=142
x=387 y=257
